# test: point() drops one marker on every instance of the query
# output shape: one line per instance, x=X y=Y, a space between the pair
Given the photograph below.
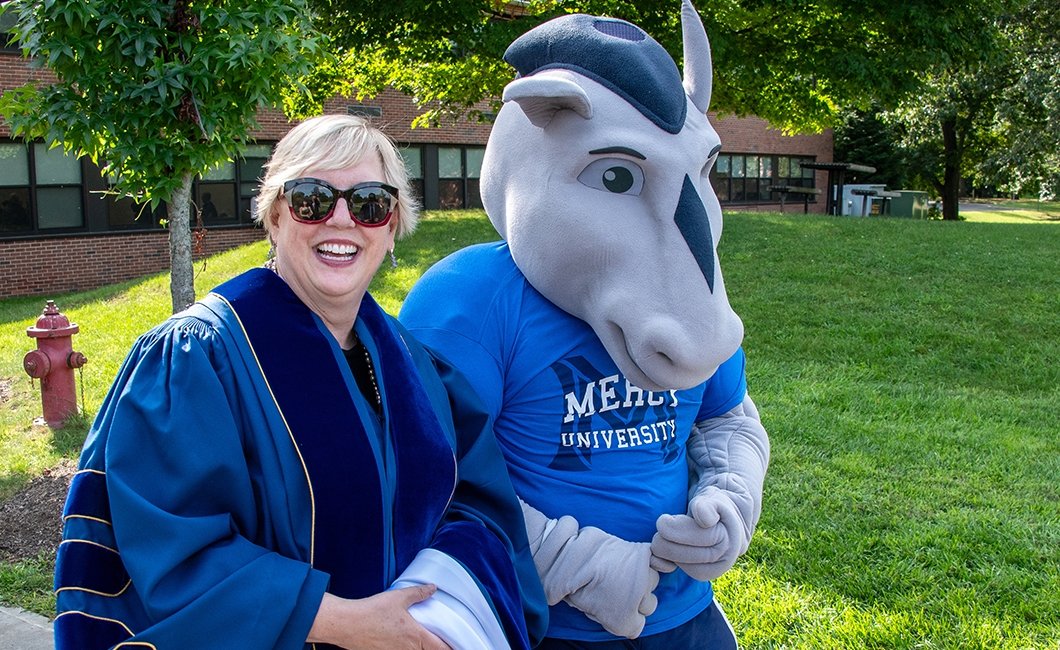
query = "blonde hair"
x=330 y=142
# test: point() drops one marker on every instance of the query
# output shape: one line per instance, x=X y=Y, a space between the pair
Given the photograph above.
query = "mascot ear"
x=699 y=74
x=542 y=96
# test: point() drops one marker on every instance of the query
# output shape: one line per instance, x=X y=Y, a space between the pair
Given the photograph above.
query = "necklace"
x=378 y=403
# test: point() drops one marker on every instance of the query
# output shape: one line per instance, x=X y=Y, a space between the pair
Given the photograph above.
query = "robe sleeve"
x=182 y=504
x=483 y=529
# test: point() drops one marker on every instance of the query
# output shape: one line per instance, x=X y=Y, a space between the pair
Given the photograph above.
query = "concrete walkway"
x=21 y=630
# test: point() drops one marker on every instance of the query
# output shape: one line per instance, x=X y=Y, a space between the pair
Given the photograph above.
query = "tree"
x=864 y=137
x=943 y=125
x=156 y=92
x=1026 y=122
x=994 y=118
x=797 y=65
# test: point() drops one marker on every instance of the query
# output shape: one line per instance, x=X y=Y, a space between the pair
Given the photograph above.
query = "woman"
x=281 y=464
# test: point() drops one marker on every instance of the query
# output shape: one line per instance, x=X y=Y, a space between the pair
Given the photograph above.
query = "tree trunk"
x=951 y=180
x=182 y=276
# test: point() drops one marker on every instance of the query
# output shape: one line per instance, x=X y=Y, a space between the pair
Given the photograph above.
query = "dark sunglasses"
x=313 y=201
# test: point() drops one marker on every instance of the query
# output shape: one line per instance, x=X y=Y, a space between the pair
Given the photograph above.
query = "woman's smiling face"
x=330 y=265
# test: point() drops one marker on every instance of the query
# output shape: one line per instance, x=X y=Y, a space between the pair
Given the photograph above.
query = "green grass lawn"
x=908 y=373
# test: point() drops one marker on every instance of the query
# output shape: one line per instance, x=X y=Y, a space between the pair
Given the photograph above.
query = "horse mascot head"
x=596 y=175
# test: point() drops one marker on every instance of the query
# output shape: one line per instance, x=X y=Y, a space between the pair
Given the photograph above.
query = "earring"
x=393 y=260
x=270 y=258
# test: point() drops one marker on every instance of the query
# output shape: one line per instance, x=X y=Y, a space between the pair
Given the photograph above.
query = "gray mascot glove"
x=728 y=456
x=608 y=579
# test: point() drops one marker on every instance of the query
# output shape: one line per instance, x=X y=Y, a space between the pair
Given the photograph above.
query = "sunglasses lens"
x=371 y=204
x=310 y=201
x=313 y=201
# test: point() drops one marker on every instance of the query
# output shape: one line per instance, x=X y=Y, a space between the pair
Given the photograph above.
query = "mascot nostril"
x=691 y=219
x=612 y=373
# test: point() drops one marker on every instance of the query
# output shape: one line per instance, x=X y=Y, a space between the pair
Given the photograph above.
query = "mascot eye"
x=615 y=175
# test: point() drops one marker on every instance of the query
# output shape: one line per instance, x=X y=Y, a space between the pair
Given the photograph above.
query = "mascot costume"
x=600 y=336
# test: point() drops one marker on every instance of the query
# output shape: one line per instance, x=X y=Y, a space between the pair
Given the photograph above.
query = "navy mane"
x=612 y=52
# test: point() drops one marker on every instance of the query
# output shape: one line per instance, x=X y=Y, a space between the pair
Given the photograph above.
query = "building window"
x=7 y=23
x=474 y=171
x=58 y=181
x=746 y=178
x=250 y=170
x=459 y=169
x=223 y=194
x=226 y=193
x=42 y=190
x=215 y=196
x=125 y=214
x=450 y=178
x=413 y=157
x=790 y=171
x=15 y=214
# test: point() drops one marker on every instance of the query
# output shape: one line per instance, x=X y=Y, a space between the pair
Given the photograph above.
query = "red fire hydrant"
x=53 y=362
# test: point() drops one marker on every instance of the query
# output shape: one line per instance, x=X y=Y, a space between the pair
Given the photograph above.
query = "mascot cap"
x=612 y=52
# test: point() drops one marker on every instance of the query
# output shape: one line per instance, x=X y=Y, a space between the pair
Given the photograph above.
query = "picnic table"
x=805 y=192
x=836 y=179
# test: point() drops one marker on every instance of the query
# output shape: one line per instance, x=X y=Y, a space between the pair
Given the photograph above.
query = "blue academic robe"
x=235 y=473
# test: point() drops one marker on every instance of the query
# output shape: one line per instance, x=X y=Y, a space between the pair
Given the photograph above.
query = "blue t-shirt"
x=578 y=437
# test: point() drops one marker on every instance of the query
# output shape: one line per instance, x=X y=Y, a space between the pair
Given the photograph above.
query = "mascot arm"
x=728 y=455
x=608 y=579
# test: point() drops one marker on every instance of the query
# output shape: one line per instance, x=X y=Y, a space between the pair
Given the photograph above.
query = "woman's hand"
x=380 y=621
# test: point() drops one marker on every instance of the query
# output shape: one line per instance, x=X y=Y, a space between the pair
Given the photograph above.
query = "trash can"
x=910 y=203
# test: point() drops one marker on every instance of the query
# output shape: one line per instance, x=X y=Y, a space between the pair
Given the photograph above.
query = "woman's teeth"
x=337 y=251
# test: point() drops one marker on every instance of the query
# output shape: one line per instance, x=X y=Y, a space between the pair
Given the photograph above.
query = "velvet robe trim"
x=298 y=361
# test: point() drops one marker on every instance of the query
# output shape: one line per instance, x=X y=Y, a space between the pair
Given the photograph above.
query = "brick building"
x=52 y=208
